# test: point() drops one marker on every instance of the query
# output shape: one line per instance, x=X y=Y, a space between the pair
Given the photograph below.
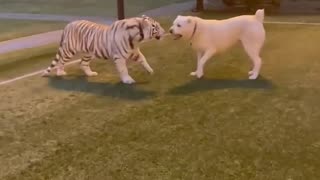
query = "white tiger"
x=119 y=41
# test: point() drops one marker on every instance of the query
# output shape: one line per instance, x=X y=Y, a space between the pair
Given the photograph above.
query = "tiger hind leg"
x=85 y=65
x=60 y=66
x=54 y=63
x=60 y=70
x=61 y=58
x=65 y=56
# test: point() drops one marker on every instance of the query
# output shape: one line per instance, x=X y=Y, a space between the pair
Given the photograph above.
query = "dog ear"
x=189 y=20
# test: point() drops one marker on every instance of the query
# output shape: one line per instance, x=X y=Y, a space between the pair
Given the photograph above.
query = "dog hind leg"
x=253 y=51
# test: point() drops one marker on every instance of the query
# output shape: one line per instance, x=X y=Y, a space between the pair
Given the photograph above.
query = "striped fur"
x=119 y=42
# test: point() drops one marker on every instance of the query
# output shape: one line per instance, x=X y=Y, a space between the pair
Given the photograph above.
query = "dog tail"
x=260 y=15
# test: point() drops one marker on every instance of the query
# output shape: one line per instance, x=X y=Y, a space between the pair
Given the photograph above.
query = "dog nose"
x=171 y=31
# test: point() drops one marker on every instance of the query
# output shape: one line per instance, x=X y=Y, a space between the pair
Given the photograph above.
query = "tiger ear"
x=144 y=21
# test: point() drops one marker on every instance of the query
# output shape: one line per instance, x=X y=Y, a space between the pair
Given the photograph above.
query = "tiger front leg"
x=144 y=63
x=85 y=66
x=123 y=71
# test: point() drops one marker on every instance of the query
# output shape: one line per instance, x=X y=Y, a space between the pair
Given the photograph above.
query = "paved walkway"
x=32 y=41
x=54 y=36
x=29 y=41
x=172 y=9
x=50 y=17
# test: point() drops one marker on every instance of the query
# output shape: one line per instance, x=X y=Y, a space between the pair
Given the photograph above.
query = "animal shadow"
x=118 y=90
x=212 y=84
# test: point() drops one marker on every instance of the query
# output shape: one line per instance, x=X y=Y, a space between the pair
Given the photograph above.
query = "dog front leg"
x=202 y=59
x=199 y=56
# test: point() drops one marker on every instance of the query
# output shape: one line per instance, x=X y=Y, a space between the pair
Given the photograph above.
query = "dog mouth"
x=176 y=36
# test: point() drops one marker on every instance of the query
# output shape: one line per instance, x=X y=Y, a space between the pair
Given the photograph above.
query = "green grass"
x=81 y=7
x=10 y=29
x=170 y=125
x=22 y=62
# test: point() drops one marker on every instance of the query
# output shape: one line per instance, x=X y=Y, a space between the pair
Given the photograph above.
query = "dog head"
x=182 y=27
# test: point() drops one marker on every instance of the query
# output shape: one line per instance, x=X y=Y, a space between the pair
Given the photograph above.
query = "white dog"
x=209 y=37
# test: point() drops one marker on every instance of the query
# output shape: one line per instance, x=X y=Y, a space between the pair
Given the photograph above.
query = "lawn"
x=15 y=64
x=10 y=29
x=102 y=8
x=170 y=125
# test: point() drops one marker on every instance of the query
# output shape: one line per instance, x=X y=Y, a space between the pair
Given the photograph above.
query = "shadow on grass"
x=212 y=84
x=81 y=84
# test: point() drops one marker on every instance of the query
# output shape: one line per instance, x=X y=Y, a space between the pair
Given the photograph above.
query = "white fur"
x=215 y=36
x=121 y=65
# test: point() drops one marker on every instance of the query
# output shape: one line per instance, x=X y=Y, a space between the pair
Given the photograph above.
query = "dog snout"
x=162 y=32
x=170 y=30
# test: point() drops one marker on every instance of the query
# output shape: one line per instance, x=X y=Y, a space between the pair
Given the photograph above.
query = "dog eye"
x=178 y=25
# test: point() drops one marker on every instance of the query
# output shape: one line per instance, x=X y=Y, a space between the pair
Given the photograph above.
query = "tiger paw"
x=61 y=73
x=128 y=80
x=45 y=74
x=150 y=71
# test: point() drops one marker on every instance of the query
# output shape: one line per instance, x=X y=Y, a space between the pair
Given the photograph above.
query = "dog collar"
x=194 y=32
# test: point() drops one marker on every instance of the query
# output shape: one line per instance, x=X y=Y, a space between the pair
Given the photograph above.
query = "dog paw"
x=250 y=72
x=253 y=76
x=128 y=80
x=92 y=74
x=193 y=73
x=197 y=74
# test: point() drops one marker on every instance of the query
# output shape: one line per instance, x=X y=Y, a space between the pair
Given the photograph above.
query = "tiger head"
x=152 y=28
